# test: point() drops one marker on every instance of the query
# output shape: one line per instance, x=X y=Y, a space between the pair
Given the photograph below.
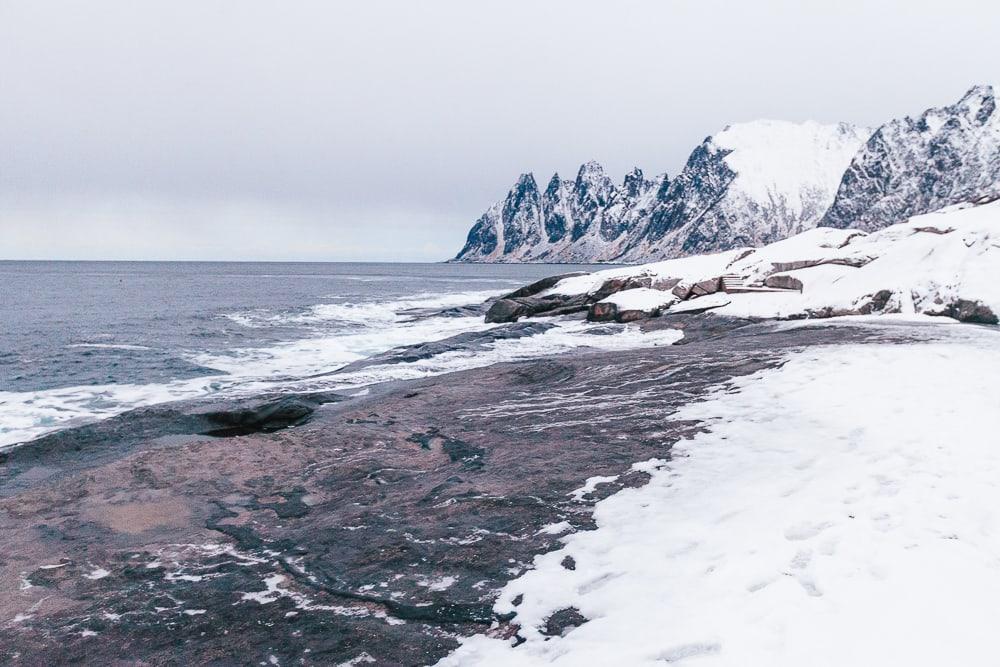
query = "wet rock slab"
x=378 y=528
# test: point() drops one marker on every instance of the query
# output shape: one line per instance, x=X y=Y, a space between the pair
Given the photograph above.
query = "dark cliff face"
x=482 y=238
x=556 y=223
x=948 y=155
x=704 y=181
x=592 y=191
x=521 y=212
x=626 y=207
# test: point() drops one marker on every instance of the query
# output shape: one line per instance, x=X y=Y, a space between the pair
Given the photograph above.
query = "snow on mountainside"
x=911 y=166
x=750 y=184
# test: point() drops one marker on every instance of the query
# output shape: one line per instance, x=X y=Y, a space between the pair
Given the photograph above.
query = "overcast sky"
x=378 y=130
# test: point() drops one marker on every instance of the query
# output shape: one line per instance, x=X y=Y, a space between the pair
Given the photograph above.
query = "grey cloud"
x=411 y=116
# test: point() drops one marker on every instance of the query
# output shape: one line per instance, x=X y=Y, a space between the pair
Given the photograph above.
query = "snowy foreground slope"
x=943 y=263
x=839 y=510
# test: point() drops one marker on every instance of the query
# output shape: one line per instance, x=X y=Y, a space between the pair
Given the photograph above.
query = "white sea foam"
x=310 y=364
x=109 y=346
x=373 y=313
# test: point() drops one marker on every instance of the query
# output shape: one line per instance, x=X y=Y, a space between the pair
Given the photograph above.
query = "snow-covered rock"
x=943 y=263
x=911 y=166
x=631 y=304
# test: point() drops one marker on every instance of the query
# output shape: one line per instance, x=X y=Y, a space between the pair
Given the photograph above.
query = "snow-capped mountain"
x=750 y=184
x=910 y=166
x=586 y=219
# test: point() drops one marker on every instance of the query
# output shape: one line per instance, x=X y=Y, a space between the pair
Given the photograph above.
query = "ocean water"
x=81 y=341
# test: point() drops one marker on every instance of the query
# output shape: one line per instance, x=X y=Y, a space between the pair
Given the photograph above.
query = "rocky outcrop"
x=705 y=287
x=910 y=166
x=540 y=285
x=605 y=311
x=967 y=310
x=511 y=310
x=780 y=281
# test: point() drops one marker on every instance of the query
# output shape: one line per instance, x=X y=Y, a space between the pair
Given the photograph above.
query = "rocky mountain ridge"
x=910 y=166
x=749 y=185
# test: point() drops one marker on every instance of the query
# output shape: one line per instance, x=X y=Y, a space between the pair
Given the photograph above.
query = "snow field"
x=843 y=509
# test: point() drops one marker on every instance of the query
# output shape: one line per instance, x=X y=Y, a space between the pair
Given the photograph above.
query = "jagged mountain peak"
x=590 y=169
x=977 y=98
x=591 y=179
x=526 y=181
x=753 y=183
x=634 y=182
x=947 y=155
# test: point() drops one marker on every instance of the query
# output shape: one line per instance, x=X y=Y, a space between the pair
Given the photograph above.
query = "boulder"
x=510 y=310
x=878 y=303
x=783 y=282
x=782 y=267
x=603 y=311
x=541 y=285
x=562 y=621
x=706 y=287
x=685 y=290
x=615 y=285
x=566 y=310
x=664 y=284
x=635 y=315
x=506 y=310
x=966 y=310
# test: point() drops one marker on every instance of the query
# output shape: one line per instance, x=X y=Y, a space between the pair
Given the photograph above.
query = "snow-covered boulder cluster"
x=752 y=184
x=944 y=263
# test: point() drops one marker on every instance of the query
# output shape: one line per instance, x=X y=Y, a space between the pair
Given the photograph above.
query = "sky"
x=379 y=130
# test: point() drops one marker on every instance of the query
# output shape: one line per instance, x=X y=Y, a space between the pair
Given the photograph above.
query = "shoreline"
x=384 y=525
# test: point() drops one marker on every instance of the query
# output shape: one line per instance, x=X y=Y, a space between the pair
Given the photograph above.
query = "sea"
x=82 y=341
